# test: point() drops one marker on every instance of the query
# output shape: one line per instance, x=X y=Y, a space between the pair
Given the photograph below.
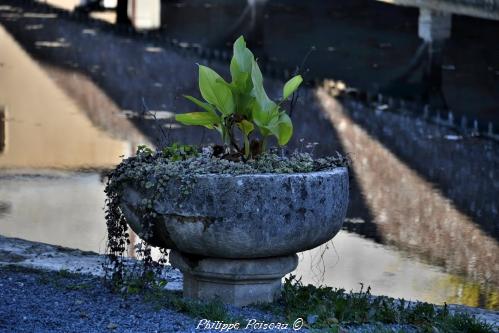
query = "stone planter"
x=236 y=236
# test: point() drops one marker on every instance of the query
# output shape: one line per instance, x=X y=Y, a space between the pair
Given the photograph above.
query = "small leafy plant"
x=179 y=152
x=326 y=308
x=241 y=105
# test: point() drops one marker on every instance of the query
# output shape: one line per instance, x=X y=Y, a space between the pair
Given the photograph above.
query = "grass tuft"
x=330 y=308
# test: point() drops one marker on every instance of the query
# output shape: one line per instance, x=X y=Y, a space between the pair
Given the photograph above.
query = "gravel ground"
x=42 y=302
x=38 y=301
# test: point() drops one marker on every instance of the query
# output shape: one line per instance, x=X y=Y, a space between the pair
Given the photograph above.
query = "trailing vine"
x=117 y=271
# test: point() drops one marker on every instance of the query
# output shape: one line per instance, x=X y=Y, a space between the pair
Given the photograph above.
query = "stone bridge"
x=434 y=20
x=435 y=16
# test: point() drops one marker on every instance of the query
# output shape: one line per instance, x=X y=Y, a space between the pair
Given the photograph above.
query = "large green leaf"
x=240 y=66
x=262 y=99
x=225 y=83
x=206 y=119
x=241 y=81
x=282 y=129
x=244 y=105
x=205 y=106
x=214 y=91
x=243 y=55
x=262 y=117
x=291 y=86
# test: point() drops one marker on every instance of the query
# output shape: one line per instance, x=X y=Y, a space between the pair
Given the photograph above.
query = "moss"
x=148 y=170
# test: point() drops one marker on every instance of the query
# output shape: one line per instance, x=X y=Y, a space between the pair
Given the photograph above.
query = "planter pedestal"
x=235 y=281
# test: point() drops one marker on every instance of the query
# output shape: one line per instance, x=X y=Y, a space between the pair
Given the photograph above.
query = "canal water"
x=423 y=218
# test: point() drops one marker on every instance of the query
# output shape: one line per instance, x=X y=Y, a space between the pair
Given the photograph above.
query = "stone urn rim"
x=247 y=215
x=338 y=169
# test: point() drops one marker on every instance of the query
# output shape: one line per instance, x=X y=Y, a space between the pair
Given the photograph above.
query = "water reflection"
x=409 y=212
x=85 y=110
x=368 y=44
x=61 y=138
x=371 y=45
x=55 y=208
x=349 y=260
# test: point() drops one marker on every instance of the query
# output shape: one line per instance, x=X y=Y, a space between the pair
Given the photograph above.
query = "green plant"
x=144 y=149
x=241 y=104
x=178 y=152
x=329 y=308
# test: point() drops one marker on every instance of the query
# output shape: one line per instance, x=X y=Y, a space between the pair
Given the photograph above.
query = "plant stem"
x=264 y=144
x=246 y=147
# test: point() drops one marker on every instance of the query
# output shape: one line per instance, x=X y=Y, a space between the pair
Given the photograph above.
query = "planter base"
x=235 y=281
